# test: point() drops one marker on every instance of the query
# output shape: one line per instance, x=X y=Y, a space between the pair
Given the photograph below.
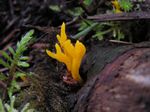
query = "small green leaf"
x=25 y=108
x=22 y=45
x=19 y=74
x=14 y=86
x=12 y=101
x=85 y=32
x=23 y=64
x=10 y=107
x=24 y=58
x=5 y=64
x=1 y=106
x=2 y=76
x=120 y=35
x=55 y=8
x=98 y=35
x=87 y=2
x=11 y=50
x=5 y=55
x=84 y=24
x=75 y=11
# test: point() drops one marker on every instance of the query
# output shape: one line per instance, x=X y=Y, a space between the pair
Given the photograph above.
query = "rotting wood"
x=122 y=85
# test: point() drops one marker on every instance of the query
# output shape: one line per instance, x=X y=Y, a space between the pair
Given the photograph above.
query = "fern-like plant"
x=13 y=62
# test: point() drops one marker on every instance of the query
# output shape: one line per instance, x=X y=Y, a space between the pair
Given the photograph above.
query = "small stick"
x=2 y=84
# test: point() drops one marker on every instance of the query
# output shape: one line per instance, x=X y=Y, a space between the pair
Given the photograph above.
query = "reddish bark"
x=122 y=86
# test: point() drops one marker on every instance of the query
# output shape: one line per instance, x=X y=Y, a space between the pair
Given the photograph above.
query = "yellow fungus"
x=79 y=53
x=69 y=54
x=60 y=56
x=62 y=37
x=116 y=6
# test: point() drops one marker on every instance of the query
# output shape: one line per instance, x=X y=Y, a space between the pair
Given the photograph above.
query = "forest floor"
x=96 y=23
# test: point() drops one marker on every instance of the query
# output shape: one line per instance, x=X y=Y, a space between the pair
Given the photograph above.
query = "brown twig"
x=11 y=9
x=9 y=37
x=120 y=42
x=120 y=16
x=2 y=84
x=11 y=23
x=3 y=69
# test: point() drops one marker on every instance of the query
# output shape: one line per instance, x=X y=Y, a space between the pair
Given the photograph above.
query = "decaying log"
x=121 y=85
